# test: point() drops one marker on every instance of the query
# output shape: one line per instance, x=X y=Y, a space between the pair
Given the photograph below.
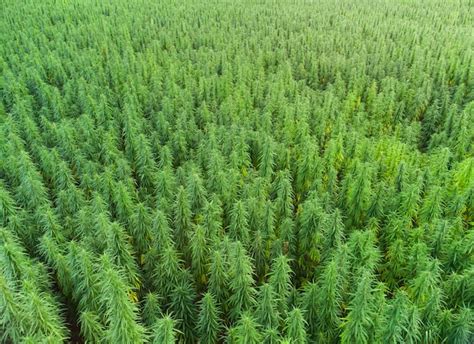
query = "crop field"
x=237 y=172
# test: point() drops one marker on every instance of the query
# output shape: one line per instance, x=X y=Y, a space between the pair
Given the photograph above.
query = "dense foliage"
x=224 y=172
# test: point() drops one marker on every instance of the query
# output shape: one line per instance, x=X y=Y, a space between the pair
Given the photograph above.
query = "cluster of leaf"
x=217 y=172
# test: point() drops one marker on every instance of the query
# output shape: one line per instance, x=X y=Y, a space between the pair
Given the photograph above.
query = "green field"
x=237 y=172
